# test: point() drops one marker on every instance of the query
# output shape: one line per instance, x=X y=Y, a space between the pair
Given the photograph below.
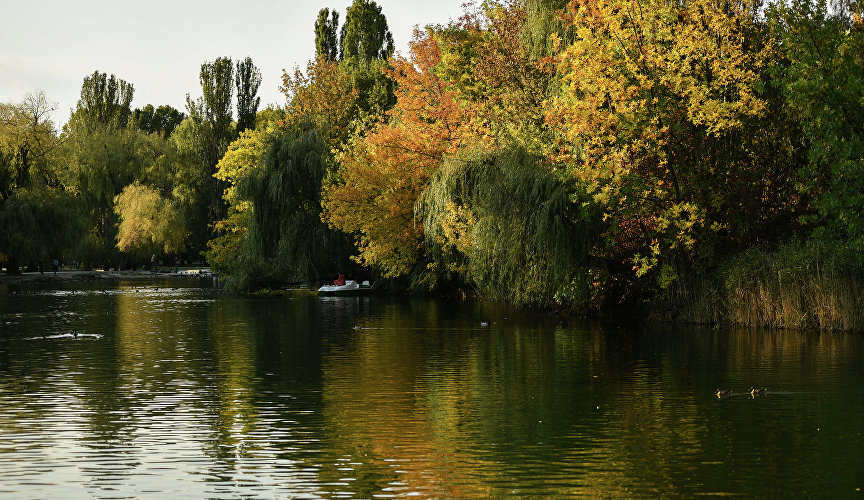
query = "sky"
x=158 y=45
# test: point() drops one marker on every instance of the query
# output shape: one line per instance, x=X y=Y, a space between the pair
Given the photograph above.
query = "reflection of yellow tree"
x=154 y=344
x=139 y=348
x=237 y=414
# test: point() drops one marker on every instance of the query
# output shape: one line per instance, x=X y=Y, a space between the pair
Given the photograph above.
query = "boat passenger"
x=340 y=280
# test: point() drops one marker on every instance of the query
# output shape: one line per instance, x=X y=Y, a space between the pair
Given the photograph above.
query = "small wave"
x=70 y=335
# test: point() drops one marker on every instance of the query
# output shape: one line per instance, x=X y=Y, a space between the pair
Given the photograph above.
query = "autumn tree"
x=326 y=95
x=644 y=82
x=147 y=221
x=383 y=173
x=488 y=60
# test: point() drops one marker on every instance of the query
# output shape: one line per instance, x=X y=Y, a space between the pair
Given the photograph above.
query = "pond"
x=170 y=389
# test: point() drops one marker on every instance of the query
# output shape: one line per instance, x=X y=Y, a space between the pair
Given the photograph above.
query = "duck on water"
x=754 y=391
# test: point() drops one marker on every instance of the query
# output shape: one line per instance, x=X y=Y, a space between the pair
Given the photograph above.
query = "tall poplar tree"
x=247 y=81
x=366 y=45
x=105 y=101
x=326 y=39
x=365 y=35
x=217 y=79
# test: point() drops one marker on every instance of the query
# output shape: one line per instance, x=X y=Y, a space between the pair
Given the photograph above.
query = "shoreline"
x=65 y=276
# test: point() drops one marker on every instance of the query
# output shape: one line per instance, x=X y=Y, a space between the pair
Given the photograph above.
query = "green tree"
x=189 y=164
x=248 y=79
x=822 y=82
x=506 y=224
x=104 y=155
x=225 y=251
x=286 y=224
x=278 y=201
x=217 y=85
x=27 y=139
x=105 y=101
x=40 y=219
x=163 y=119
x=365 y=36
x=366 y=45
x=326 y=38
x=204 y=140
x=545 y=19
x=39 y=223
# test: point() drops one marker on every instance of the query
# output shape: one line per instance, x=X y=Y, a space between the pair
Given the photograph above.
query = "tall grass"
x=798 y=285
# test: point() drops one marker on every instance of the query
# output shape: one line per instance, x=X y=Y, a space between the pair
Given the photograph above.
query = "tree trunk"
x=12 y=267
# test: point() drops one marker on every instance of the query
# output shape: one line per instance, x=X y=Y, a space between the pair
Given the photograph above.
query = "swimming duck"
x=757 y=390
x=722 y=394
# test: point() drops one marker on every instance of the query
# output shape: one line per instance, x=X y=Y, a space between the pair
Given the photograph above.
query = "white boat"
x=351 y=287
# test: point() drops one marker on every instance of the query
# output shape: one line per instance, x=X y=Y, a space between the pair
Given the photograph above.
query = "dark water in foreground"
x=164 y=392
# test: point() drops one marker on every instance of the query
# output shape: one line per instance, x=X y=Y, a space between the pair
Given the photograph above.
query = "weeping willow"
x=544 y=20
x=37 y=226
x=287 y=241
x=507 y=225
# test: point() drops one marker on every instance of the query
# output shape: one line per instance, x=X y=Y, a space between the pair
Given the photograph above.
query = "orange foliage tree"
x=383 y=172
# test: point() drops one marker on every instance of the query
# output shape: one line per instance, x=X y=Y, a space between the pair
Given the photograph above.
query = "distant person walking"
x=153 y=263
x=56 y=266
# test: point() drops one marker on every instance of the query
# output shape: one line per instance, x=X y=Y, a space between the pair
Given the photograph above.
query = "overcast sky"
x=158 y=45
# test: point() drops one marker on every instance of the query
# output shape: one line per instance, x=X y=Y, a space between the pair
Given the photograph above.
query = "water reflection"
x=169 y=390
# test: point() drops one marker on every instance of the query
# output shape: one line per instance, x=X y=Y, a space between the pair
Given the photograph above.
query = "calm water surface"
x=170 y=390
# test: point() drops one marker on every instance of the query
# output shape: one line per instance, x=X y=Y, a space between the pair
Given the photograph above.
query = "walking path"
x=71 y=275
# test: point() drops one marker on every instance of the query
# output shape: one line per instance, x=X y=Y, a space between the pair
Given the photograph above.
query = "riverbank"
x=98 y=275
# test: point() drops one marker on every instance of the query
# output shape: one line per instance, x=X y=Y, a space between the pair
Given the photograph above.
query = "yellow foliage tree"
x=148 y=221
x=325 y=94
x=640 y=80
x=240 y=161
